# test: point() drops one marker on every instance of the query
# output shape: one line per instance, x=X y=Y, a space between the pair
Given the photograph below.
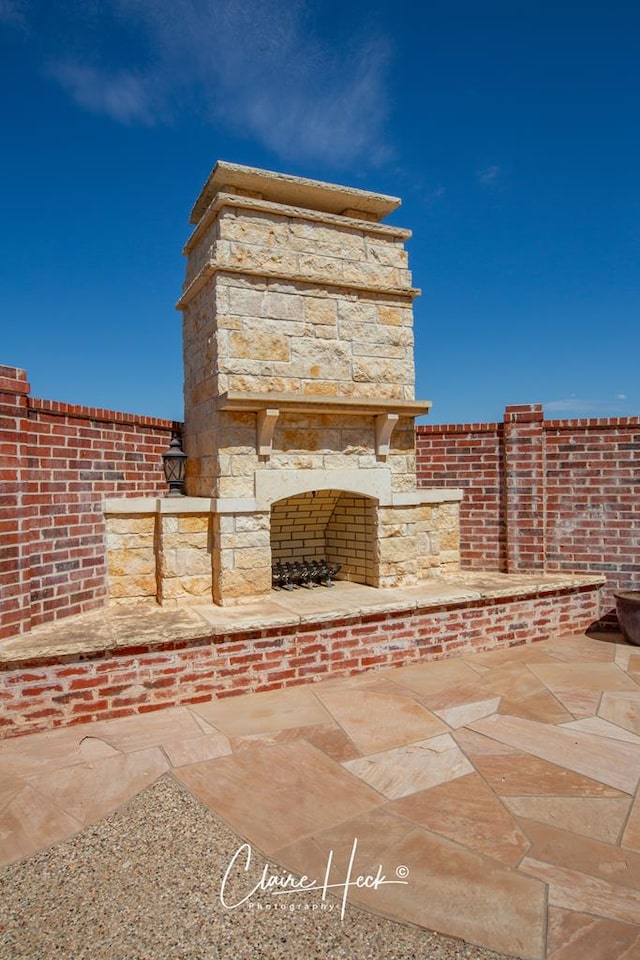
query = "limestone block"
x=394 y=316
x=332 y=268
x=250 y=539
x=132 y=523
x=131 y=563
x=169 y=525
x=322 y=388
x=251 y=523
x=243 y=465
x=235 y=487
x=186 y=588
x=243 y=302
x=254 y=227
x=396 y=549
x=263 y=384
x=185 y=562
x=233 y=587
x=129 y=541
x=283 y=306
x=263 y=346
x=132 y=587
x=380 y=369
x=194 y=524
x=321 y=311
x=390 y=253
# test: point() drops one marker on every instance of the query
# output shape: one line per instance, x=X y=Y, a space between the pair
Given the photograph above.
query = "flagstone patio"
x=501 y=786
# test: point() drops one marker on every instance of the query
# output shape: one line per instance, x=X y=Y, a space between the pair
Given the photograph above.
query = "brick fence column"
x=524 y=458
x=15 y=602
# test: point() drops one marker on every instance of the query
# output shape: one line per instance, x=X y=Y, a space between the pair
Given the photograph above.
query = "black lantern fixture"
x=174 y=460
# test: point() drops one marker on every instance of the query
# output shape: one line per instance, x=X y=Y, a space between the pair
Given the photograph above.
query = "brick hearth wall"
x=58 y=691
x=546 y=495
x=58 y=463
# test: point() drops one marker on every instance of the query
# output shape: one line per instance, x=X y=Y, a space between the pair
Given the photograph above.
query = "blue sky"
x=510 y=130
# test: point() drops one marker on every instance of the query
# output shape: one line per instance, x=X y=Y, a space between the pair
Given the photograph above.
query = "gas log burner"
x=308 y=573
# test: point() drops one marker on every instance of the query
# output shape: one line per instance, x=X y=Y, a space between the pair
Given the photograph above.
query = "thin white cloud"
x=123 y=95
x=255 y=65
x=489 y=176
x=580 y=406
x=13 y=12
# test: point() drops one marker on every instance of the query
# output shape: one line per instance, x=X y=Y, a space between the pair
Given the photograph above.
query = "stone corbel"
x=385 y=423
x=266 y=425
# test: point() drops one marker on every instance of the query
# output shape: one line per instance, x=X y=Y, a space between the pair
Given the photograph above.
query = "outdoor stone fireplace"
x=299 y=401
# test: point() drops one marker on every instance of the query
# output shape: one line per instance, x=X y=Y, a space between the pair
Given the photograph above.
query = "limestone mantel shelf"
x=269 y=406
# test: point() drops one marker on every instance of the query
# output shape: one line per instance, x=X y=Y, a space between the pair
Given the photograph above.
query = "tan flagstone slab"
x=600 y=818
x=404 y=770
x=328 y=737
x=631 y=836
x=9 y=786
x=460 y=705
x=430 y=678
x=464 y=713
x=603 y=728
x=513 y=680
x=622 y=709
x=476 y=745
x=523 y=653
x=467 y=811
x=539 y=706
x=565 y=848
x=578 y=936
x=377 y=833
x=623 y=656
x=612 y=762
x=377 y=721
x=264 y=712
x=580 y=648
x=51 y=750
x=31 y=822
x=451 y=890
x=579 y=686
x=573 y=890
x=90 y=791
x=146 y=730
x=193 y=749
x=275 y=795
x=524 y=775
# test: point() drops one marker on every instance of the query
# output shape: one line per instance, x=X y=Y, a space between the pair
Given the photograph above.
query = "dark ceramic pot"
x=628 y=608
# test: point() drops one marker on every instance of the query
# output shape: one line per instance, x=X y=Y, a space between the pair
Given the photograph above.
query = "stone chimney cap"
x=292 y=191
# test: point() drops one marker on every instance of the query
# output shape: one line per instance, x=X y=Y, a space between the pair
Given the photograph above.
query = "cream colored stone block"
x=130 y=563
x=259 y=347
x=323 y=311
x=132 y=524
x=197 y=524
x=131 y=587
x=235 y=487
x=252 y=558
x=283 y=306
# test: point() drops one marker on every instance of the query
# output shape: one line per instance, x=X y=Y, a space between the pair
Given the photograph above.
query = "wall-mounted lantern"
x=174 y=460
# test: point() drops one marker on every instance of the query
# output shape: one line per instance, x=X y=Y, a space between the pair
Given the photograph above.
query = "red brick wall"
x=59 y=462
x=543 y=495
x=593 y=499
x=469 y=456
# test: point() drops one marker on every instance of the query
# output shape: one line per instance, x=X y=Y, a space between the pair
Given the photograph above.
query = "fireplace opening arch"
x=337 y=525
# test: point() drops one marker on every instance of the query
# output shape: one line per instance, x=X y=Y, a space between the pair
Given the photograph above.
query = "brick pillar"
x=524 y=457
x=15 y=603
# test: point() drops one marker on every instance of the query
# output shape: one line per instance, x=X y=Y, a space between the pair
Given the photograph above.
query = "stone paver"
x=504 y=782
